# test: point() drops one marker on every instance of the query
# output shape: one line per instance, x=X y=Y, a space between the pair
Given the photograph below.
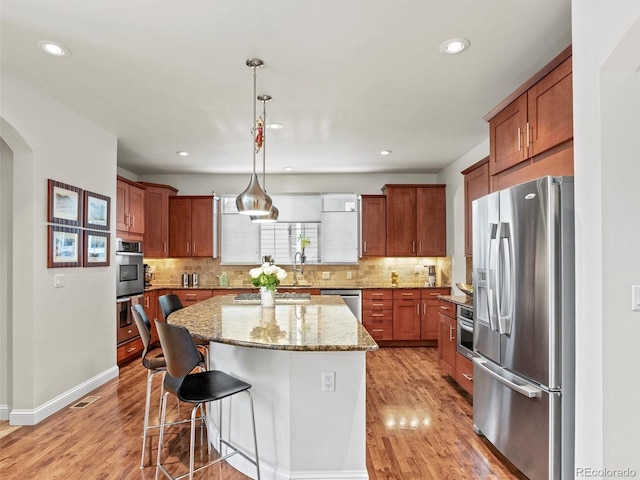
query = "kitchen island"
x=284 y=351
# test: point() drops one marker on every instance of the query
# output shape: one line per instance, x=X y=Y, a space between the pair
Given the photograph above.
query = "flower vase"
x=267 y=297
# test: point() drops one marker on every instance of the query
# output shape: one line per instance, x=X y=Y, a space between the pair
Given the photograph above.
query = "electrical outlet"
x=326 y=275
x=58 y=280
x=349 y=276
x=328 y=381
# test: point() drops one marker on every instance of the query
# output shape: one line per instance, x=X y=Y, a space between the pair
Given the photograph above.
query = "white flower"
x=255 y=272
x=281 y=273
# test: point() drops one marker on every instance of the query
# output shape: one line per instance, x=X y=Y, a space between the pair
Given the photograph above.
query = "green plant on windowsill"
x=304 y=242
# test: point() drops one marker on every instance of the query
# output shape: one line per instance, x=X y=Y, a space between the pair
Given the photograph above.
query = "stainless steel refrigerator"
x=523 y=282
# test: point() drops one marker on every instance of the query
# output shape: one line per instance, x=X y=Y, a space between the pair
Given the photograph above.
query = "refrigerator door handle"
x=505 y=302
x=494 y=230
x=526 y=390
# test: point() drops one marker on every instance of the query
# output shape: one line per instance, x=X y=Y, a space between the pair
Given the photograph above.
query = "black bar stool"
x=154 y=365
x=170 y=303
x=181 y=356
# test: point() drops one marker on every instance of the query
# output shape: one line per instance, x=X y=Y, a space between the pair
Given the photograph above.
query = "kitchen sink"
x=285 y=297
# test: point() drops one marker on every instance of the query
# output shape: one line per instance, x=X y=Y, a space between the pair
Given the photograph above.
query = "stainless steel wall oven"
x=129 y=269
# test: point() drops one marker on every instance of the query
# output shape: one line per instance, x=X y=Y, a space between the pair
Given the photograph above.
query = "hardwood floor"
x=418 y=427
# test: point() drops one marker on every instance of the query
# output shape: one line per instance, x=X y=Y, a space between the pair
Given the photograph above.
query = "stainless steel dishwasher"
x=353 y=299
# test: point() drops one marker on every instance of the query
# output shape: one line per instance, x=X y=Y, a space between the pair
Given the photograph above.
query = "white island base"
x=303 y=432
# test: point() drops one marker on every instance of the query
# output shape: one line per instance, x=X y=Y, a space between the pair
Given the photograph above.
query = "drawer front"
x=126 y=333
x=377 y=295
x=431 y=295
x=381 y=329
x=189 y=297
x=377 y=305
x=448 y=308
x=129 y=350
x=409 y=295
x=464 y=372
x=377 y=315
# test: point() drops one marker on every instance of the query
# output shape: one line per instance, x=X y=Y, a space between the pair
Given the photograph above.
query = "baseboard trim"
x=4 y=412
x=34 y=416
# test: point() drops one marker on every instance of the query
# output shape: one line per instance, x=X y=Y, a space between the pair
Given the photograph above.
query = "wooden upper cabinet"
x=550 y=110
x=506 y=136
x=431 y=221
x=416 y=220
x=401 y=221
x=156 y=230
x=531 y=131
x=476 y=185
x=190 y=226
x=130 y=216
x=374 y=225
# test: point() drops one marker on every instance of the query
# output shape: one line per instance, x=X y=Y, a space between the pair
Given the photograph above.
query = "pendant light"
x=272 y=216
x=254 y=200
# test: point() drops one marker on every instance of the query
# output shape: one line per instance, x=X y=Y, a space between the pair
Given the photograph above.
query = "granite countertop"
x=287 y=287
x=323 y=323
x=458 y=299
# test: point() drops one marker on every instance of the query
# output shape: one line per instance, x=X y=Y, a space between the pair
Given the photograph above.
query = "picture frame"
x=96 y=249
x=65 y=247
x=96 y=210
x=65 y=203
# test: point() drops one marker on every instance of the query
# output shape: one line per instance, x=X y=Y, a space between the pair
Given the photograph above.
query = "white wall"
x=455 y=209
x=62 y=339
x=287 y=183
x=606 y=142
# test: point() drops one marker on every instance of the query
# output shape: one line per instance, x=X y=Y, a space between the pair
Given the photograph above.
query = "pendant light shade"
x=254 y=200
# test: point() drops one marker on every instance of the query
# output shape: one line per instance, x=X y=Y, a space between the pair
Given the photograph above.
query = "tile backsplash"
x=369 y=272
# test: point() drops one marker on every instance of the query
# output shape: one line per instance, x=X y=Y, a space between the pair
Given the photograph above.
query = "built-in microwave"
x=129 y=269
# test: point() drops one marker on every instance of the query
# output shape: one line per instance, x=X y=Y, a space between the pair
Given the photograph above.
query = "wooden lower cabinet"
x=128 y=350
x=406 y=314
x=377 y=313
x=189 y=297
x=464 y=372
x=151 y=308
x=447 y=345
x=430 y=319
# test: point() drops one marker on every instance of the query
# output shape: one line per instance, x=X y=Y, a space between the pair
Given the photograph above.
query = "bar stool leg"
x=255 y=436
x=161 y=437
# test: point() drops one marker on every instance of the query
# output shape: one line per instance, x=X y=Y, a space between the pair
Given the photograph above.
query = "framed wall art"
x=65 y=247
x=96 y=211
x=96 y=249
x=65 y=204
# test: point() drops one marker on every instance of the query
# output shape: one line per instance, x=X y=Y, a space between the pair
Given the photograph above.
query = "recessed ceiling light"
x=54 y=48
x=288 y=169
x=276 y=126
x=455 y=45
x=182 y=154
x=384 y=152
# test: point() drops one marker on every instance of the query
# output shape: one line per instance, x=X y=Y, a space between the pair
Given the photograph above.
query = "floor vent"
x=85 y=402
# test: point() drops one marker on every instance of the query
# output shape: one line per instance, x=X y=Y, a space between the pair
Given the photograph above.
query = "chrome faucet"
x=295 y=269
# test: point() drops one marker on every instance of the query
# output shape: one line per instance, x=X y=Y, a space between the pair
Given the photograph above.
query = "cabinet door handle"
x=377 y=315
x=194 y=248
x=519 y=140
x=450 y=333
x=528 y=139
x=133 y=221
x=444 y=308
x=424 y=308
x=467 y=377
x=164 y=247
x=365 y=246
x=190 y=295
x=418 y=309
x=413 y=248
x=188 y=247
x=435 y=294
x=420 y=247
x=146 y=302
x=407 y=294
x=132 y=349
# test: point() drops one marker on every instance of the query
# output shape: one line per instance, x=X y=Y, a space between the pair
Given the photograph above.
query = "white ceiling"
x=348 y=77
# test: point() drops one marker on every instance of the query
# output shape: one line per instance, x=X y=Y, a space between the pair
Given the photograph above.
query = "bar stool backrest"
x=180 y=353
x=144 y=327
x=169 y=303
